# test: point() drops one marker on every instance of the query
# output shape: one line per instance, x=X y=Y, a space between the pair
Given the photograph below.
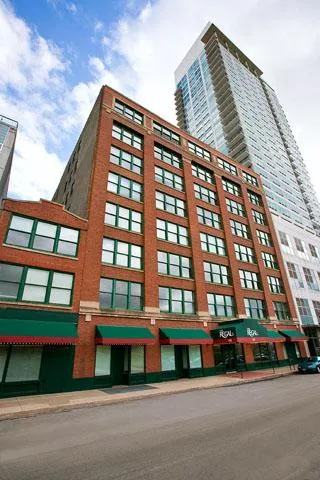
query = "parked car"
x=310 y=364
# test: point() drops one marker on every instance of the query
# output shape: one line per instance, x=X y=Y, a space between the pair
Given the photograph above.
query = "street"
x=261 y=431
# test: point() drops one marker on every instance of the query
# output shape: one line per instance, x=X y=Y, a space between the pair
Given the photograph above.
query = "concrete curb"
x=138 y=396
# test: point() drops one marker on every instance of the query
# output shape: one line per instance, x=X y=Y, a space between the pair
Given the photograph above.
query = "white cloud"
x=72 y=7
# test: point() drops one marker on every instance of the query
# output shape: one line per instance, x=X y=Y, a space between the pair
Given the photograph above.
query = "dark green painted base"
x=68 y=384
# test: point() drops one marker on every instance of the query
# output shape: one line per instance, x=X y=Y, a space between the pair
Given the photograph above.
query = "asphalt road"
x=261 y=431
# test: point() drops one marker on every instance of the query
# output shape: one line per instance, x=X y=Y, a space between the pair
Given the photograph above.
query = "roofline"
x=213 y=29
x=9 y=121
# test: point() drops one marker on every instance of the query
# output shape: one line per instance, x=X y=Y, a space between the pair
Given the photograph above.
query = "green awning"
x=293 y=335
x=275 y=337
x=37 y=332
x=184 y=336
x=244 y=330
x=123 y=335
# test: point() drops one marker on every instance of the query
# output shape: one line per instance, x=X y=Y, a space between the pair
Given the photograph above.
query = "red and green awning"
x=184 y=336
x=123 y=335
x=293 y=335
x=246 y=330
x=37 y=332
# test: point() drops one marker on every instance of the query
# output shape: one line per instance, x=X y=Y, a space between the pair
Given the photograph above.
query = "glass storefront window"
x=264 y=352
x=195 y=356
x=137 y=359
x=167 y=358
x=103 y=359
x=24 y=364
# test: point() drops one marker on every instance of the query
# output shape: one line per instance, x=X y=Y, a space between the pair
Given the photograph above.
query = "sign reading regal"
x=246 y=330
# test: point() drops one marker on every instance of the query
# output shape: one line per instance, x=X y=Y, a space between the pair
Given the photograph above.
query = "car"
x=310 y=364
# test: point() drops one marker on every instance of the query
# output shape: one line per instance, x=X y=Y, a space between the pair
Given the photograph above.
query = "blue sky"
x=56 y=54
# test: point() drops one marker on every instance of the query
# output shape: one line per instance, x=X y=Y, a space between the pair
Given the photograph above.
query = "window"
x=244 y=254
x=128 y=136
x=310 y=278
x=250 y=179
x=239 y=229
x=172 y=232
x=39 y=235
x=126 y=160
x=285 y=243
x=205 y=194
x=235 y=207
x=299 y=245
x=176 y=300
x=169 y=179
x=170 y=204
x=275 y=284
x=176 y=265
x=137 y=359
x=166 y=133
x=212 y=244
x=23 y=363
x=202 y=173
x=167 y=156
x=122 y=254
x=283 y=239
x=216 y=273
x=120 y=294
x=255 y=308
x=122 y=217
x=168 y=362
x=103 y=360
x=294 y=275
x=199 y=151
x=264 y=238
x=227 y=166
x=255 y=198
x=195 y=360
x=314 y=251
x=125 y=187
x=249 y=280
x=128 y=112
x=281 y=310
x=270 y=260
x=206 y=217
x=316 y=306
x=304 y=311
x=231 y=187
x=259 y=217
x=26 y=284
x=221 y=305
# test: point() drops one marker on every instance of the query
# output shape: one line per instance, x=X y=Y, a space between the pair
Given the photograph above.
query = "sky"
x=56 y=54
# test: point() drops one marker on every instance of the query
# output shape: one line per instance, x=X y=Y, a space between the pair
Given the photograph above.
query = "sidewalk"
x=28 y=406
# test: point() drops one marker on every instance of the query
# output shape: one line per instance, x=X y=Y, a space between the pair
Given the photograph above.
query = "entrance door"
x=119 y=364
x=56 y=368
x=228 y=353
x=181 y=359
x=291 y=352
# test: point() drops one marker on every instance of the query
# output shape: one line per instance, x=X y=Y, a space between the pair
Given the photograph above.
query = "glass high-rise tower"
x=222 y=99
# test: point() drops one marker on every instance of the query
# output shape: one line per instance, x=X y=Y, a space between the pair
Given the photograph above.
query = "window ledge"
x=25 y=249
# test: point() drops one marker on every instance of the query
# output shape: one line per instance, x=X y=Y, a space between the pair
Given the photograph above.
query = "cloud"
x=138 y=55
x=282 y=37
x=72 y=7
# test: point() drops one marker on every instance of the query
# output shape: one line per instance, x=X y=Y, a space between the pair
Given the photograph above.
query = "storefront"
x=313 y=334
x=292 y=345
x=120 y=354
x=180 y=350
x=245 y=344
x=36 y=356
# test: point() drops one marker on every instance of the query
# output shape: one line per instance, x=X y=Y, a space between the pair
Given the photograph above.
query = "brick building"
x=177 y=270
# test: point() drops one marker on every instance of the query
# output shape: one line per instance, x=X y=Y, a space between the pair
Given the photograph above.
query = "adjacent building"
x=8 y=133
x=222 y=100
x=157 y=259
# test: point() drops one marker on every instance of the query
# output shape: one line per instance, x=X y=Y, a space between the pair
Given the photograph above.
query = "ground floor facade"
x=48 y=352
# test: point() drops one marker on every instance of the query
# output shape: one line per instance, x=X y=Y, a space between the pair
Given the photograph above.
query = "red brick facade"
x=88 y=268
